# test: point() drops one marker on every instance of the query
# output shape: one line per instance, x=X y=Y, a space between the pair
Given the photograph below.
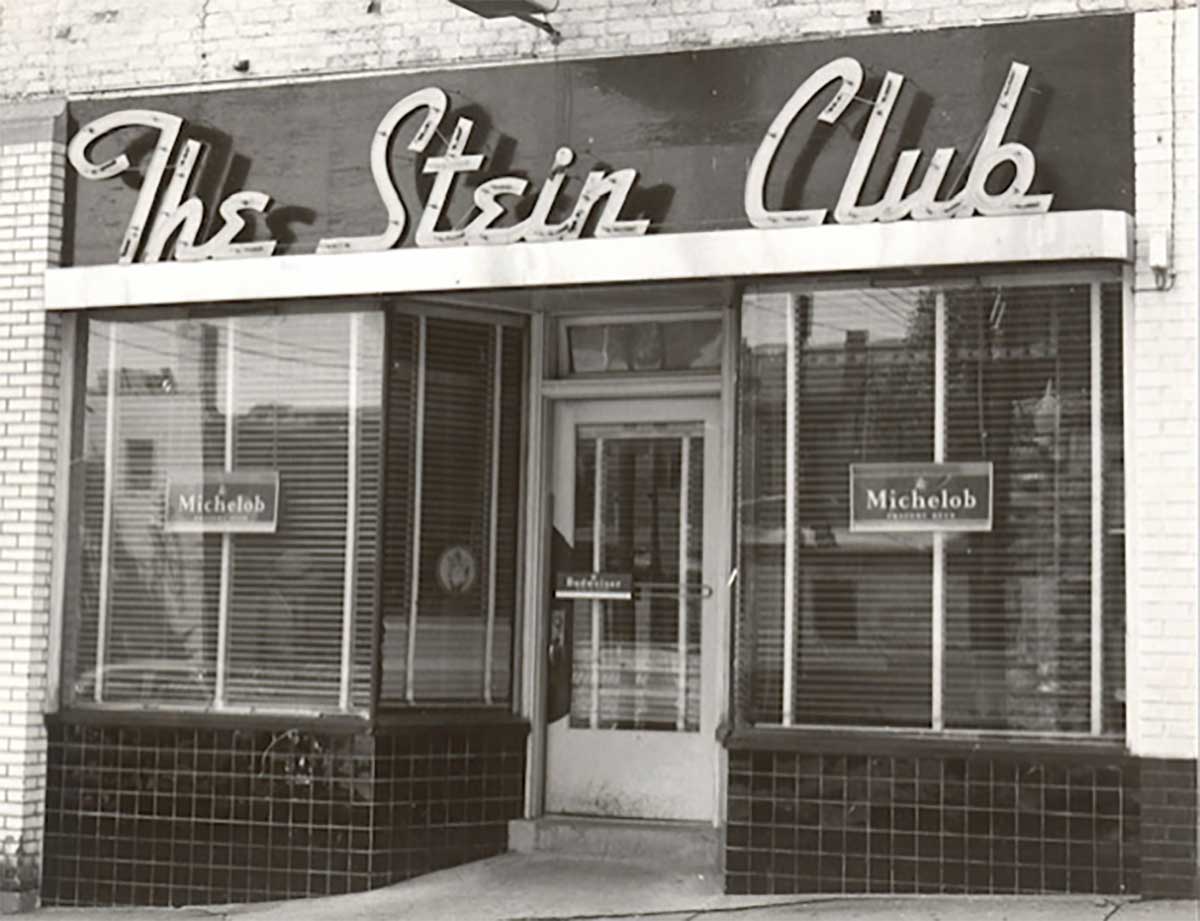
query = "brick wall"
x=1168 y=821
x=99 y=45
x=31 y=196
x=1162 y=664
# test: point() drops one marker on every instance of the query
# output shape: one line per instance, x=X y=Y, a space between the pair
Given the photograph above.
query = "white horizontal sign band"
x=1035 y=238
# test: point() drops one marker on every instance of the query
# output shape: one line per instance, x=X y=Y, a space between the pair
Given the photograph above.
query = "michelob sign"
x=227 y=501
x=921 y=497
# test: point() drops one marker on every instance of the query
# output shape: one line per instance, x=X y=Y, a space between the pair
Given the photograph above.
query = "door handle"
x=558 y=636
x=671 y=590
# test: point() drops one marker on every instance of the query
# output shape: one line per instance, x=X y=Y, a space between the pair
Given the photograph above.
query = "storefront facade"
x=768 y=437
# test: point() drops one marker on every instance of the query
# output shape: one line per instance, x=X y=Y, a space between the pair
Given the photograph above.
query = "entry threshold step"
x=691 y=845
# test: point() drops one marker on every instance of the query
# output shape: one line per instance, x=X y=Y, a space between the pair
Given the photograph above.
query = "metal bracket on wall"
x=528 y=11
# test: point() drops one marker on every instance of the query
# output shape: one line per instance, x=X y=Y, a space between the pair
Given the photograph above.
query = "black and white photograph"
x=595 y=460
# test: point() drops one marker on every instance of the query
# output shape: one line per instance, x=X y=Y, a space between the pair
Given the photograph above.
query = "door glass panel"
x=639 y=510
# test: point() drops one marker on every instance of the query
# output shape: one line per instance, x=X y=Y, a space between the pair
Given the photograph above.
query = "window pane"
x=154 y=628
x=150 y=396
x=636 y=663
x=646 y=345
x=1112 y=385
x=470 y=371
x=1018 y=599
x=863 y=392
x=292 y=410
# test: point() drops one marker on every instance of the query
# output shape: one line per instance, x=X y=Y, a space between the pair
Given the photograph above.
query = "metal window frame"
x=1094 y=279
x=418 y=477
x=349 y=593
x=218 y=702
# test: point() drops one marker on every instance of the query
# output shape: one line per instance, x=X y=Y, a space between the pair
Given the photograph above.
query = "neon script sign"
x=166 y=211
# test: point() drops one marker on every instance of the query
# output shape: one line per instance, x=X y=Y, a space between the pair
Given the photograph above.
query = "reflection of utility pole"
x=854 y=384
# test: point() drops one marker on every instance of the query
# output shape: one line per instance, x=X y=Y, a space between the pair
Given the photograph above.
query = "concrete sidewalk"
x=522 y=887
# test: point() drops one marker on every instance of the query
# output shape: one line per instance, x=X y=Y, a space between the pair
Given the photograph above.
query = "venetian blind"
x=293 y=395
x=858 y=605
x=455 y=387
x=300 y=383
x=1019 y=599
x=1032 y=626
x=147 y=605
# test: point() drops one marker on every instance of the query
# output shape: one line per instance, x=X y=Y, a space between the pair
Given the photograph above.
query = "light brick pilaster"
x=31 y=221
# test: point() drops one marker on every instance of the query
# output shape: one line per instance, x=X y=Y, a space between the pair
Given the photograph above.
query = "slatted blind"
x=636 y=663
x=762 y=478
x=455 y=389
x=299 y=383
x=403 y=409
x=281 y=620
x=863 y=393
x=1018 y=599
x=147 y=605
x=508 y=485
x=1113 y=548
x=837 y=627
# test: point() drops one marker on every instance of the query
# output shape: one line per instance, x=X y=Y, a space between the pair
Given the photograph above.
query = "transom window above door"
x=670 y=342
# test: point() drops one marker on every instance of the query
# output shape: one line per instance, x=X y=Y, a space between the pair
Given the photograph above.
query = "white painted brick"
x=1163 y=714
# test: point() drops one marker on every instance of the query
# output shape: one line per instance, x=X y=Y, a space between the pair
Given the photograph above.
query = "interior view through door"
x=633 y=645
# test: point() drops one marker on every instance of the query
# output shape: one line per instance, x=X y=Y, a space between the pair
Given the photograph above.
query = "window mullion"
x=938 y=638
x=789 y=512
x=226 y=537
x=418 y=465
x=597 y=566
x=351 y=515
x=1097 y=472
x=110 y=471
x=493 y=513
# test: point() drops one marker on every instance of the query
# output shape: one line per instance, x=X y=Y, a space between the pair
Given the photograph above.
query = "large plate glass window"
x=1016 y=628
x=228 y=517
x=247 y=514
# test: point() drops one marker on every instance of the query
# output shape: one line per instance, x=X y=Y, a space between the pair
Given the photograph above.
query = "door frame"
x=659 y=753
x=535 y=593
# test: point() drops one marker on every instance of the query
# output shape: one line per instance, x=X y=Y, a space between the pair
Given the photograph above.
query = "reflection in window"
x=644 y=345
x=842 y=629
x=863 y=375
x=295 y=394
x=636 y=663
x=448 y=622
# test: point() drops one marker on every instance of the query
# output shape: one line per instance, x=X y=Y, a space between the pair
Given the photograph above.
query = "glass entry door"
x=633 y=638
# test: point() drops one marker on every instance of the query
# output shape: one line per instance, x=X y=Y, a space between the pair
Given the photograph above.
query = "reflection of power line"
x=241 y=350
x=874 y=299
x=242 y=331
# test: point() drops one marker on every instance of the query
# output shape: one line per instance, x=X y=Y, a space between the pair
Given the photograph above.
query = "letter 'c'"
x=850 y=73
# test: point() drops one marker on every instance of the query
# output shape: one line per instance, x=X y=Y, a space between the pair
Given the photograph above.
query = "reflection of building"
x=605 y=332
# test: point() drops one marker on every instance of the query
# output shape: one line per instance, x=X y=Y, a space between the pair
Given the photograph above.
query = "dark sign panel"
x=667 y=143
x=236 y=501
x=921 y=497
x=597 y=586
